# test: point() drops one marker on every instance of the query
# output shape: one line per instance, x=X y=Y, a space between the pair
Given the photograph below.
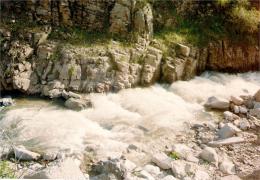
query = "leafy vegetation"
x=174 y=155
x=5 y=170
x=199 y=22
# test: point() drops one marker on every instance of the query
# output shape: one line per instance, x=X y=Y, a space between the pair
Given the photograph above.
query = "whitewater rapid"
x=147 y=117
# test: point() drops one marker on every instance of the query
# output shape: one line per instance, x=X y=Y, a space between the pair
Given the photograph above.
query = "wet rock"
x=6 y=101
x=229 y=116
x=227 y=141
x=257 y=96
x=227 y=167
x=65 y=169
x=21 y=153
x=236 y=100
x=77 y=104
x=217 y=103
x=209 y=154
x=162 y=160
x=228 y=130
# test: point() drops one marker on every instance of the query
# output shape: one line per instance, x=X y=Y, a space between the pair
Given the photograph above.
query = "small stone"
x=228 y=130
x=243 y=110
x=227 y=167
x=153 y=170
x=201 y=175
x=162 y=160
x=255 y=112
x=236 y=109
x=227 y=141
x=209 y=154
x=237 y=100
x=21 y=153
x=244 y=124
x=50 y=156
x=178 y=168
x=229 y=116
x=217 y=103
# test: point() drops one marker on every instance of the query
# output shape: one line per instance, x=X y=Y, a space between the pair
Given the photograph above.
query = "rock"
x=217 y=103
x=257 y=96
x=49 y=156
x=209 y=154
x=244 y=124
x=144 y=174
x=181 y=149
x=230 y=177
x=77 y=104
x=153 y=170
x=256 y=105
x=182 y=50
x=169 y=177
x=242 y=110
x=65 y=169
x=236 y=100
x=6 y=101
x=201 y=175
x=21 y=153
x=236 y=109
x=162 y=160
x=227 y=167
x=178 y=168
x=228 y=130
x=255 y=112
x=227 y=141
x=229 y=116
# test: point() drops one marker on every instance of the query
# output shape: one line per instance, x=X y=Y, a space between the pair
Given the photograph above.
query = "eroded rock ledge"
x=32 y=64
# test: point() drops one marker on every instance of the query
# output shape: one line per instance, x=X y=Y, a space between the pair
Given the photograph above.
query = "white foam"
x=117 y=120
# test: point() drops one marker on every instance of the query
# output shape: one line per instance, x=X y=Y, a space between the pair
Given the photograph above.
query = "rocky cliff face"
x=33 y=64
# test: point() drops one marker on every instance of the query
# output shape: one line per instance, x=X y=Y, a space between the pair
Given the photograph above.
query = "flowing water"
x=143 y=116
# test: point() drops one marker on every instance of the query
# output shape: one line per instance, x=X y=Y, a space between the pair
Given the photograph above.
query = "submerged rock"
x=77 y=104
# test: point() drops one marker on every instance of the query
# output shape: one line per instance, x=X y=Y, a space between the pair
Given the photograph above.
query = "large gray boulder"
x=65 y=169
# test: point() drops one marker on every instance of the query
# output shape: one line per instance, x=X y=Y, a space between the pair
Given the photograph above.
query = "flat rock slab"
x=228 y=141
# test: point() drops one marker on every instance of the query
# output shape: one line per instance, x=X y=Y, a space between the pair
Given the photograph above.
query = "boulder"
x=21 y=153
x=184 y=152
x=243 y=110
x=228 y=130
x=257 y=96
x=217 y=103
x=77 y=104
x=162 y=160
x=227 y=141
x=209 y=154
x=227 y=167
x=145 y=175
x=236 y=100
x=65 y=169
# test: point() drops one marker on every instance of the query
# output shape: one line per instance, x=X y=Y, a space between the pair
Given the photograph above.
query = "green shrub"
x=5 y=170
x=174 y=155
